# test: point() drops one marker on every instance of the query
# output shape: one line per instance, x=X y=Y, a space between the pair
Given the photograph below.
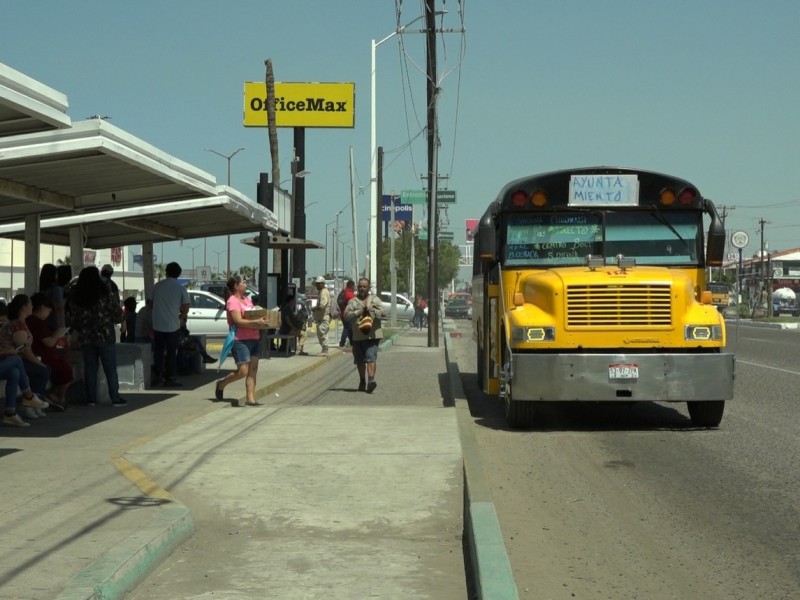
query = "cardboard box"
x=273 y=316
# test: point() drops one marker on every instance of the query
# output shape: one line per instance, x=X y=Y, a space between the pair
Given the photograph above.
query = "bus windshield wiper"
x=658 y=216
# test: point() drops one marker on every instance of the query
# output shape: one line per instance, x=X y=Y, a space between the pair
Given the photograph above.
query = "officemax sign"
x=301 y=104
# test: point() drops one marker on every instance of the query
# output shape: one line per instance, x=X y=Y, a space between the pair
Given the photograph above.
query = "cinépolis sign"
x=301 y=104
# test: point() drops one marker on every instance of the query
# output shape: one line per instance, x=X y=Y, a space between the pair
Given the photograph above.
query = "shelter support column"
x=33 y=236
x=76 y=249
x=147 y=268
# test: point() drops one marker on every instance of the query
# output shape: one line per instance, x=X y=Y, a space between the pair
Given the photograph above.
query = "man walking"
x=364 y=314
x=170 y=310
x=322 y=314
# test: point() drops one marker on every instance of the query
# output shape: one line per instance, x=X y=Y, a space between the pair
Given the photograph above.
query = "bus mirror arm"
x=715 y=248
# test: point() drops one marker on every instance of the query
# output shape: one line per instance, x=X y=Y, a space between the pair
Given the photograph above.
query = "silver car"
x=405 y=308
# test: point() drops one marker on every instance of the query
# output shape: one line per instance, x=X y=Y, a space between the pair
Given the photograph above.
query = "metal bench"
x=285 y=349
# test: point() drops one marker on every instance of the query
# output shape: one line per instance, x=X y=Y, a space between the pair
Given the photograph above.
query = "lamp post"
x=227 y=157
x=194 y=269
x=336 y=248
x=218 y=253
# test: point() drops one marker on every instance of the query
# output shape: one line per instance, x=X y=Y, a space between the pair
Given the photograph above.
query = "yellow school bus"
x=589 y=285
x=720 y=294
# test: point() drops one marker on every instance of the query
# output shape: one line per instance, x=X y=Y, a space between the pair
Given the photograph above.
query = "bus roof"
x=556 y=184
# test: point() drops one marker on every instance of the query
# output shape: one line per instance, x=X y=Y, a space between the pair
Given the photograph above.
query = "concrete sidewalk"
x=312 y=501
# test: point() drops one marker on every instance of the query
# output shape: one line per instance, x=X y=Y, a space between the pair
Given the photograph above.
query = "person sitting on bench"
x=293 y=322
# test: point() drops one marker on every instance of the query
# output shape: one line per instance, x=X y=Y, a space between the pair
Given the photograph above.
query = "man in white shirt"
x=170 y=309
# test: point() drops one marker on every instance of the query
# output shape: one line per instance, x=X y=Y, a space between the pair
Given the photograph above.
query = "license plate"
x=623 y=371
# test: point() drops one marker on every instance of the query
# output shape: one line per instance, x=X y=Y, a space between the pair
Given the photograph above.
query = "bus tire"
x=706 y=414
x=519 y=415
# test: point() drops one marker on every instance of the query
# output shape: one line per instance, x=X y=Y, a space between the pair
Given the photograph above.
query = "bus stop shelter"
x=90 y=184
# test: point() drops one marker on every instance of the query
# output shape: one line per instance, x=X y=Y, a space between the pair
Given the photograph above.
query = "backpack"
x=333 y=307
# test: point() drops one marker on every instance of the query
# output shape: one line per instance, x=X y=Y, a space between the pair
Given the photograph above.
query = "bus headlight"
x=702 y=333
x=533 y=334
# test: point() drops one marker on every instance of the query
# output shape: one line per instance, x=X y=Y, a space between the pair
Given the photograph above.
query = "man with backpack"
x=344 y=297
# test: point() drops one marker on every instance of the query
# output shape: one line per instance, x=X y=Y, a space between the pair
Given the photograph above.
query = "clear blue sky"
x=706 y=90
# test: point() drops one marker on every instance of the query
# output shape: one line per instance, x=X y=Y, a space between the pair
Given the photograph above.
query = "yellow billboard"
x=301 y=104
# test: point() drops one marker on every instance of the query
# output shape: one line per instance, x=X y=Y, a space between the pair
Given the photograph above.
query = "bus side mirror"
x=715 y=247
x=485 y=242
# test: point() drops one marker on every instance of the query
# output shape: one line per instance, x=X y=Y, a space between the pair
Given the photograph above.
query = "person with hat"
x=364 y=313
x=322 y=314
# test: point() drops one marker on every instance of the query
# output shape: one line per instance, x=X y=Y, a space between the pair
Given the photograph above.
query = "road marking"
x=752 y=364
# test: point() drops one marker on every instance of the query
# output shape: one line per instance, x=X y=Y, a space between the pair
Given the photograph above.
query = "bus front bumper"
x=622 y=377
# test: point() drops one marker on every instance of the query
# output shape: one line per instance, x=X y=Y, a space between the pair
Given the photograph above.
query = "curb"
x=491 y=569
x=120 y=570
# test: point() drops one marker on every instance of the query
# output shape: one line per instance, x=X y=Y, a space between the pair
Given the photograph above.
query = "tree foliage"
x=449 y=255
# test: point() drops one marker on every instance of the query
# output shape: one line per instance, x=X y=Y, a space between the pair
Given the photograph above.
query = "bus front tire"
x=706 y=414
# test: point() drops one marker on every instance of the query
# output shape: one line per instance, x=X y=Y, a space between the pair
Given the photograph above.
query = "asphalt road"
x=616 y=502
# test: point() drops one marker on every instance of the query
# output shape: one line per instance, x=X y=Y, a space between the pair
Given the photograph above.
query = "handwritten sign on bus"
x=546 y=239
x=604 y=190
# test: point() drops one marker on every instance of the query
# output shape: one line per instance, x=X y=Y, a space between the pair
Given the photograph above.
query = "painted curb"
x=121 y=569
x=491 y=569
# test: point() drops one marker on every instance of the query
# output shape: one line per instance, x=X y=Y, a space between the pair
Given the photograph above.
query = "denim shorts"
x=244 y=350
x=365 y=351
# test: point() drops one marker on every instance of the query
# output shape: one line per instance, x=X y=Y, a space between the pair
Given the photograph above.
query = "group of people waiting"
x=34 y=346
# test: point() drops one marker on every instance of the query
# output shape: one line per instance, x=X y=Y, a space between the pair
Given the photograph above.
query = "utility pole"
x=761 y=222
x=433 y=166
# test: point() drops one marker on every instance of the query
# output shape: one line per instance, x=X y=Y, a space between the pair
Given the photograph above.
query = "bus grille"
x=619 y=305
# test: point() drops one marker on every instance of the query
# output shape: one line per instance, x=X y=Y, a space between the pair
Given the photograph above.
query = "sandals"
x=254 y=403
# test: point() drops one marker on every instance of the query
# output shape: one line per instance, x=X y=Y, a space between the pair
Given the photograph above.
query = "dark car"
x=458 y=308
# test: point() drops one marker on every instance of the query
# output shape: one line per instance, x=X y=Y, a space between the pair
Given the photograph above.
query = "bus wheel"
x=519 y=415
x=706 y=414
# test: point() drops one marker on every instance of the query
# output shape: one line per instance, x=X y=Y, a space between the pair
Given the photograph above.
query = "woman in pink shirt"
x=246 y=343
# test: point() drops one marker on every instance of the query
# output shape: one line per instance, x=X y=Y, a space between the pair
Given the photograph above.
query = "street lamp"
x=227 y=157
x=218 y=253
x=373 y=173
x=194 y=271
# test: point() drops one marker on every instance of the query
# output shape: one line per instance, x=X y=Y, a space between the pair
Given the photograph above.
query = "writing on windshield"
x=566 y=239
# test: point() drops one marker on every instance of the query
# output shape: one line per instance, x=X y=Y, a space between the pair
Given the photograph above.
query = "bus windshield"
x=651 y=237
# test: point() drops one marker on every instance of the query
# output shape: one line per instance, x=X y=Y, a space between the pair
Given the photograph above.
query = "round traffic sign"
x=740 y=239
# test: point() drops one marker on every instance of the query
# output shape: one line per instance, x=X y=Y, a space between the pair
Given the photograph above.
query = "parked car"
x=405 y=308
x=459 y=308
x=207 y=314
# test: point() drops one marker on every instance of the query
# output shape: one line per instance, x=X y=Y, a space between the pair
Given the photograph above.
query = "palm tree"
x=247 y=272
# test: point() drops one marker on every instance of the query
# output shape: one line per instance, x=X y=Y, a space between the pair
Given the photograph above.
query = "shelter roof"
x=226 y=213
x=27 y=105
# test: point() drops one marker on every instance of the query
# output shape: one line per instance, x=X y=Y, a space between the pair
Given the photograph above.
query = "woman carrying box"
x=246 y=342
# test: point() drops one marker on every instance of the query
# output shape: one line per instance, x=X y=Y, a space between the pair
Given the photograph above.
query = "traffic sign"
x=446 y=235
x=446 y=196
x=414 y=196
x=740 y=239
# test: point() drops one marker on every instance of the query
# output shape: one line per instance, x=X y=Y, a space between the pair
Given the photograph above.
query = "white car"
x=207 y=314
x=405 y=308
